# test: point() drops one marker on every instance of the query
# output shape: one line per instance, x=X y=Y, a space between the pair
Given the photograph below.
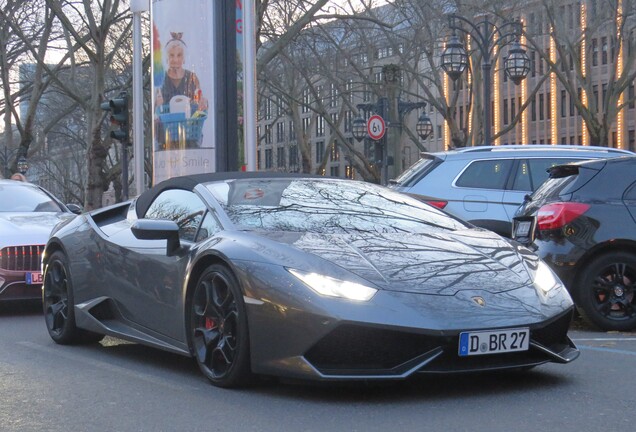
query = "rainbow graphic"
x=158 y=74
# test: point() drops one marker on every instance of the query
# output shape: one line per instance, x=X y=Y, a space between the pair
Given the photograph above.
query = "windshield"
x=326 y=206
x=23 y=198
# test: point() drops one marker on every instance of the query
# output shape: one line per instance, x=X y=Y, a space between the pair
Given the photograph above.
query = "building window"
x=268 y=158
x=349 y=172
x=533 y=63
x=595 y=95
x=292 y=131
x=349 y=89
x=280 y=132
x=293 y=157
x=533 y=108
x=348 y=120
x=604 y=50
x=268 y=109
x=306 y=124
x=268 y=134
x=563 y=103
x=320 y=151
x=280 y=157
x=548 y=100
x=258 y=159
x=306 y=100
x=279 y=106
x=320 y=126
x=541 y=107
x=335 y=152
x=505 y=111
x=594 y=52
x=513 y=109
x=366 y=93
x=320 y=92
x=333 y=101
x=335 y=171
x=334 y=122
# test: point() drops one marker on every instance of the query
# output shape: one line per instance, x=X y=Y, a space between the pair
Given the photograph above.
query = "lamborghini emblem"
x=480 y=301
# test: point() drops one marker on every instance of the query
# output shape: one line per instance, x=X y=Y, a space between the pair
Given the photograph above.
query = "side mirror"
x=74 y=208
x=158 y=229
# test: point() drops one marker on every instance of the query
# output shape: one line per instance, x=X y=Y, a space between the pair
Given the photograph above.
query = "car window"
x=183 y=207
x=485 y=174
x=209 y=227
x=532 y=172
x=21 y=198
x=326 y=206
x=539 y=169
x=522 y=181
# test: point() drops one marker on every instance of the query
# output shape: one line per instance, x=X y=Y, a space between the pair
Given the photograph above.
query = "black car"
x=582 y=221
x=305 y=277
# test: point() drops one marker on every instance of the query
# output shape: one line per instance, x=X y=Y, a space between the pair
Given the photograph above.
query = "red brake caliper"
x=209 y=323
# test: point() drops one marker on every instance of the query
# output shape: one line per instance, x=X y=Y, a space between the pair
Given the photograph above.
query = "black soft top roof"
x=190 y=181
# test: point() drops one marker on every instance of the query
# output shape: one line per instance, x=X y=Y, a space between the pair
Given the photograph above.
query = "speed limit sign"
x=376 y=127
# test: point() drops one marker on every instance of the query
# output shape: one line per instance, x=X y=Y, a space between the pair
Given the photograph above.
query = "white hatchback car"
x=485 y=185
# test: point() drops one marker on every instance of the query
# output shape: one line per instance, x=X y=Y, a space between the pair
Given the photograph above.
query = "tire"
x=218 y=328
x=58 y=305
x=606 y=291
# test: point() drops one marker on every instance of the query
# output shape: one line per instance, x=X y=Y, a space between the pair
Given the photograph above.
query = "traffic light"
x=118 y=108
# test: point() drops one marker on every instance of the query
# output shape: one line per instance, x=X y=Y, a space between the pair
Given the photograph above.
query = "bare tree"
x=101 y=29
x=609 y=35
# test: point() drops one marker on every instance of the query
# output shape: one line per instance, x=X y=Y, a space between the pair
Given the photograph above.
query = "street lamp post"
x=392 y=109
x=486 y=36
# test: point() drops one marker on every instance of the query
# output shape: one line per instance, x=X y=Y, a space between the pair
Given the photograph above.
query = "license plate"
x=492 y=342
x=523 y=229
x=34 y=278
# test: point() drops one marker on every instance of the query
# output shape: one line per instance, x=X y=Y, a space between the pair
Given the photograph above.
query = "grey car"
x=485 y=185
x=302 y=277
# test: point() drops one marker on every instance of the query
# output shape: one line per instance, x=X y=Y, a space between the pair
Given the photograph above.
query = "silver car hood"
x=32 y=228
x=441 y=263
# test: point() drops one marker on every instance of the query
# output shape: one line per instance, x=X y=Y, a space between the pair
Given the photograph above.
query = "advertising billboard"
x=182 y=88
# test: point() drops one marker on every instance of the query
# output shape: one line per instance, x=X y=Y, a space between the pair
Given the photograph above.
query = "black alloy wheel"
x=218 y=328
x=57 y=301
x=607 y=291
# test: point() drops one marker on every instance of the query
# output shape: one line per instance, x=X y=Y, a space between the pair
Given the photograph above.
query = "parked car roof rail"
x=507 y=147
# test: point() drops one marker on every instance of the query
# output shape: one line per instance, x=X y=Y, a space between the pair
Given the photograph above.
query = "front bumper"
x=13 y=286
x=351 y=352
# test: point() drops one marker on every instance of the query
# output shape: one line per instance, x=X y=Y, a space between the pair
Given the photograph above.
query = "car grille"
x=21 y=258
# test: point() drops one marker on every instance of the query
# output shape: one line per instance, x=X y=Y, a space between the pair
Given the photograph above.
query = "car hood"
x=441 y=263
x=17 y=229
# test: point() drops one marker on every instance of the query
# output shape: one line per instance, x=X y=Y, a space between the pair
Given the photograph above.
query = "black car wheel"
x=57 y=300
x=218 y=328
x=607 y=291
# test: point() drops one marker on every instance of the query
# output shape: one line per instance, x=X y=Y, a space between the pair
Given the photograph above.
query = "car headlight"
x=544 y=278
x=331 y=287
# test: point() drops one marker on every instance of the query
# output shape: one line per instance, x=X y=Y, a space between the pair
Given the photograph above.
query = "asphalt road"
x=118 y=386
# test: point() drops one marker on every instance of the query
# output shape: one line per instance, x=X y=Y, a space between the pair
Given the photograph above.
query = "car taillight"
x=557 y=215
x=440 y=204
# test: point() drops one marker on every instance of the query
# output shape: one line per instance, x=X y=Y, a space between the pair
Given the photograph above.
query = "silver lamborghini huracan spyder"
x=303 y=277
